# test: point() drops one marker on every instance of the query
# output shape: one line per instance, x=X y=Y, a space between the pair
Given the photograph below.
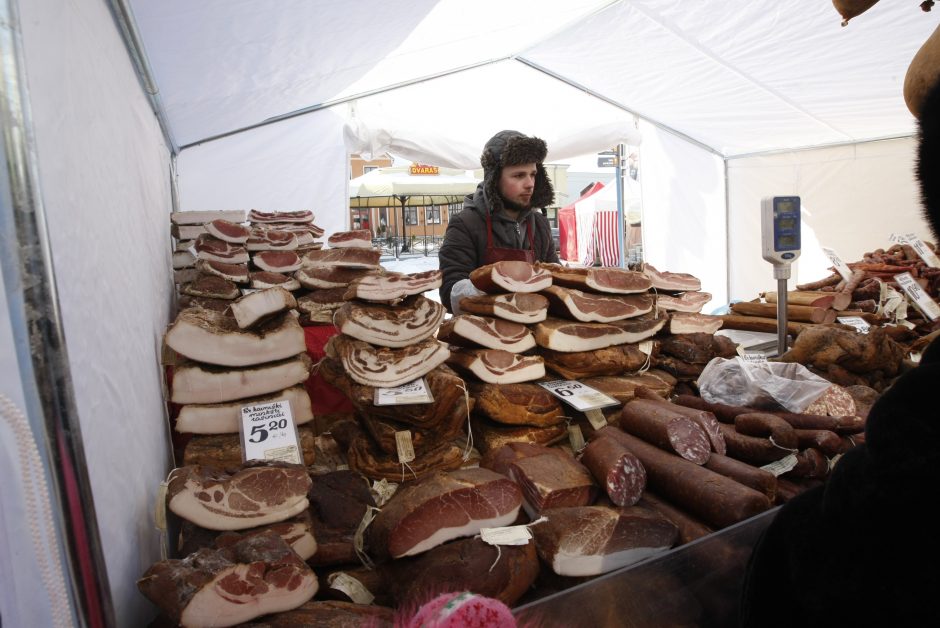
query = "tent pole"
x=621 y=223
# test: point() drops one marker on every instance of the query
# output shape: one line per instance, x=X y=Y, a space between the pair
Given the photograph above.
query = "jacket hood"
x=512 y=148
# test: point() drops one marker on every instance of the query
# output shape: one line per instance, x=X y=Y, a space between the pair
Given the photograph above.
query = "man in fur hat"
x=500 y=221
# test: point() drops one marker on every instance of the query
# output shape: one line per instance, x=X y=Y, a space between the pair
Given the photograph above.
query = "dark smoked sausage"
x=689 y=527
x=616 y=469
x=747 y=474
x=703 y=417
x=751 y=449
x=768 y=426
x=666 y=429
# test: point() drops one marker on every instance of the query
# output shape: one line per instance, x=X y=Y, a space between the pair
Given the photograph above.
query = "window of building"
x=411 y=215
x=453 y=209
x=432 y=215
x=360 y=219
x=368 y=169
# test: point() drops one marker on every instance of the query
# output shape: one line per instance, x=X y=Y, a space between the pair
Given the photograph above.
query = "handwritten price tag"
x=840 y=266
x=917 y=296
x=857 y=322
x=578 y=396
x=267 y=432
x=412 y=392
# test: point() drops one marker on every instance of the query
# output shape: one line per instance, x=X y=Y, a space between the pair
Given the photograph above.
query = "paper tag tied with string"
x=646 y=347
x=509 y=535
x=404 y=446
x=359 y=538
x=596 y=418
x=354 y=590
x=575 y=437
x=785 y=464
x=382 y=491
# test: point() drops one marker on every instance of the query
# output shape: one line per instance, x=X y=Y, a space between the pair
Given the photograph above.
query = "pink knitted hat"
x=463 y=610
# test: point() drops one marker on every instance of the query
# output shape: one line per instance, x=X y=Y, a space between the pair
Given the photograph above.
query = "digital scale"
x=780 y=245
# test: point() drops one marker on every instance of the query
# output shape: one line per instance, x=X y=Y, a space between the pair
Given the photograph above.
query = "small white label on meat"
x=930 y=258
x=578 y=396
x=355 y=590
x=575 y=437
x=382 y=491
x=646 y=347
x=406 y=449
x=751 y=358
x=857 y=322
x=267 y=432
x=412 y=392
x=596 y=418
x=917 y=296
x=834 y=461
x=781 y=466
x=840 y=266
x=506 y=535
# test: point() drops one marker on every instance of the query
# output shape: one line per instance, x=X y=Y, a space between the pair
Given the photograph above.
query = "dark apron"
x=499 y=254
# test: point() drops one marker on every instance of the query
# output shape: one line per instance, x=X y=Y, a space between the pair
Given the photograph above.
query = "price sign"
x=917 y=296
x=840 y=266
x=412 y=392
x=930 y=258
x=857 y=322
x=267 y=432
x=751 y=358
x=578 y=396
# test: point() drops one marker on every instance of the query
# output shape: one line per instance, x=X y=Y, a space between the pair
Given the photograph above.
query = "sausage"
x=703 y=417
x=788 y=489
x=727 y=414
x=616 y=469
x=766 y=425
x=715 y=499
x=748 y=475
x=750 y=449
x=722 y=411
x=689 y=527
x=825 y=441
x=666 y=428
x=810 y=463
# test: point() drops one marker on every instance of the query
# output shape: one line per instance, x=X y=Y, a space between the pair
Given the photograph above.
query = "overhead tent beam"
x=39 y=336
x=783 y=151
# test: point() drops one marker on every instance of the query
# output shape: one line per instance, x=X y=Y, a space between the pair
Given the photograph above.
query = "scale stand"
x=780 y=245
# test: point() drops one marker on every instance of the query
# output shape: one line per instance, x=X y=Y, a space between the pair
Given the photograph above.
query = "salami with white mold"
x=616 y=469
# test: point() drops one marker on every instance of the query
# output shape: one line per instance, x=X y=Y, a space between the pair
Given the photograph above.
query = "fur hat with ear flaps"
x=512 y=148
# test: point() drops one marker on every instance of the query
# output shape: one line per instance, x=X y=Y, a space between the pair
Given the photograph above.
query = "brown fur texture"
x=512 y=148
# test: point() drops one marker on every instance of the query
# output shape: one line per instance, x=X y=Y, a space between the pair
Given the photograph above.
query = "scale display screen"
x=780 y=229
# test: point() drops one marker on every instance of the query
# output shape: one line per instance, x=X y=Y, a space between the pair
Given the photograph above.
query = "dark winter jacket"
x=464 y=247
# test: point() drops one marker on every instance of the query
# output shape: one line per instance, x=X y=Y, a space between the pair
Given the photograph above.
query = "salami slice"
x=666 y=428
x=835 y=401
x=616 y=469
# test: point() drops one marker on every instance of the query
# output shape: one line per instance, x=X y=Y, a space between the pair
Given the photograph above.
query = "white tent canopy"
x=259 y=104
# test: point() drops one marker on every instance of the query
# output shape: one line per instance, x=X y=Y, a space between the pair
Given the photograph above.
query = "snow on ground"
x=415 y=263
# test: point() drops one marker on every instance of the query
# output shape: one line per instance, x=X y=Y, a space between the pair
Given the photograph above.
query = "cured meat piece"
x=320 y=278
x=211 y=287
x=497 y=367
x=329 y=614
x=810 y=463
x=834 y=401
x=510 y=277
x=766 y=425
x=685 y=323
x=215 y=338
x=338 y=502
x=748 y=475
x=864 y=398
x=187 y=232
x=202 y=217
x=692 y=301
x=276 y=261
x=200 y=383
x=185 y=275
x=255 y=307
x=263 y=279
x=751 y=449
x=296 y=532
x=450 y=407
x=563 y=335
x=183 y=259
x=383 y=367
x=518 y=404
x=617 y=470
x=256 y=576
x=597 y=308
x=300 y=216
x=518 y=307
x=225 y=418
x=359 y=238
x=227 y=231
x=671 y=282
x=488 y=435
x=271 y=240
x=253 y=496
x=441 y=507
x=822 y=346
x=607 y=280
x=468 y=330
x=216 y=250
x=825 y=441
x=727 y=413
x=641 y=327
x=224 y=451
x=343 y=258
x=390 y=326
x=505 y=574
x=499 y=459
x=320 y=306
x=383 y=432
x=615 y=360
x=704 y=418
x=592 y=540
x=697 y=348
x=237 y=273
x=375 y=465
x=688 y=527
x=552 y=481
x=624 y=388
x=666 y=428
x=715 y=499
x=392 y=287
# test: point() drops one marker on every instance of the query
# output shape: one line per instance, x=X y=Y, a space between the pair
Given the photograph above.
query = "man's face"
x=516 y=184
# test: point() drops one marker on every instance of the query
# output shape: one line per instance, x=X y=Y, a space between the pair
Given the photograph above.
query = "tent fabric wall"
x=268 y=169
x=104 y=179
x=684 y=220
x=853 y=198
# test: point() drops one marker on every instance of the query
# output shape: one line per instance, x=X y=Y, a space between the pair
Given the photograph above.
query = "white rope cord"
x=469 y=447
x=39 y=513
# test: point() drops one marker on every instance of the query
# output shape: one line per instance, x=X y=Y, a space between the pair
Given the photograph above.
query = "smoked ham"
x=671 y=282
x=595 y=308
x=517 y=404
x=510 y=276
x=324 y=277
x=390 y=326
x=201 y=383
x=495 y=366
x=233 y=272
x=225 y=418
x=606 y=280
x=361 y=238
x=352 y=257
x=469 y=330
x=255 y=307
x=383 y=367
x=518 y=307
x=300 y=216
x=392 y=287
x=563 y=335
x=276 y=261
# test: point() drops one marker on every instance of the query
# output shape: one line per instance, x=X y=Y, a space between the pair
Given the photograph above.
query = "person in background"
x=499 y=221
